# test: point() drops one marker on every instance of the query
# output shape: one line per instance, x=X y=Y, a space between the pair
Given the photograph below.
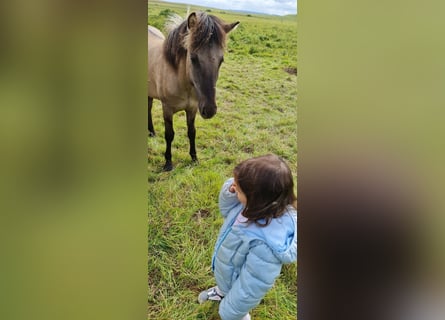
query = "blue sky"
x=278 y=7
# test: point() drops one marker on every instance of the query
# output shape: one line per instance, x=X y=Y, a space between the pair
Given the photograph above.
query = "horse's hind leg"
x=191 y=131
x=169 y=136
x=151 y=129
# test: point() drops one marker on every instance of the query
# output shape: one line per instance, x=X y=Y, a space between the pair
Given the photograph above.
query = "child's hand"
x=232 y=188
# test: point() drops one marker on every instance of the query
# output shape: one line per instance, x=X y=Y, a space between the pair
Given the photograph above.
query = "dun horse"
x=182 y=73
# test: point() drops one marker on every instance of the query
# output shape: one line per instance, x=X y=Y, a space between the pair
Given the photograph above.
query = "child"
x=258 y=236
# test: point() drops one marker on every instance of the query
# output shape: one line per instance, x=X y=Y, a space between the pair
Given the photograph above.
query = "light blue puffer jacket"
x=248 y=258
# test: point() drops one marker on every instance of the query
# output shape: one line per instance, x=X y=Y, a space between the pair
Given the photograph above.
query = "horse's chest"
x=182 y=101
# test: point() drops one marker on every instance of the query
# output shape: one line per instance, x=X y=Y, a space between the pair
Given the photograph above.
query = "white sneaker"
x=246 y=317
x=210 y=294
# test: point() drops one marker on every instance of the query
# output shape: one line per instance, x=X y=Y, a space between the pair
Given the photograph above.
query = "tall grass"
x=257 y=114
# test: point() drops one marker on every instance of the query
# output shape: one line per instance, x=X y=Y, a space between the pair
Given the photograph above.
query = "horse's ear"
x=231 y=26
x=192 y=20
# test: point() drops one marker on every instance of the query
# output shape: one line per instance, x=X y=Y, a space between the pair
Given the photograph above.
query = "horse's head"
x=205 y=53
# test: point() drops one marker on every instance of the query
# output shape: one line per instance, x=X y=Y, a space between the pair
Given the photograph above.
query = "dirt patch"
x=248 y=149
x=201 y=213
x=291 y=70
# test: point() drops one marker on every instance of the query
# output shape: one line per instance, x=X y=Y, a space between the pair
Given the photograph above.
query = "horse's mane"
x=209 y=30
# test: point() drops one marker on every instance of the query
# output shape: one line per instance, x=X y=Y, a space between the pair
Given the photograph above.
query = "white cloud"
x=278 y=7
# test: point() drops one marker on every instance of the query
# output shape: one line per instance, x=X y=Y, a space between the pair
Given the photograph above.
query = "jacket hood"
x=280 y=235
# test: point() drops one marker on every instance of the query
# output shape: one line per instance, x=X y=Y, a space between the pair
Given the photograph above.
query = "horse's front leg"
x=151 y=129
x=169 y=136
x=191 y=131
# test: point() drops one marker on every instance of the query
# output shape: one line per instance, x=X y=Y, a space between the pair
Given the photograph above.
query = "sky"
x=277 y=7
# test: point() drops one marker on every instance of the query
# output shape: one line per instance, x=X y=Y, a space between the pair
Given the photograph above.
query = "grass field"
x=257 y=114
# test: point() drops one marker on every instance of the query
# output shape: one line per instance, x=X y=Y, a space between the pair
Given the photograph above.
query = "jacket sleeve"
x=257 y=276
x=227 y=199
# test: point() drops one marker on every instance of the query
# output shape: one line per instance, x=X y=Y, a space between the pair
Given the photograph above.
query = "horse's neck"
x=183 y=78
x=179 y=85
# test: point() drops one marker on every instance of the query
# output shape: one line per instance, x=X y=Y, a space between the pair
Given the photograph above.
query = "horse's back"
x=155 y=32
x=155 y=41
x=155 y=60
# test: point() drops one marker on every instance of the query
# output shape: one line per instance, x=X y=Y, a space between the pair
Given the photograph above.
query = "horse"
x=182 y=72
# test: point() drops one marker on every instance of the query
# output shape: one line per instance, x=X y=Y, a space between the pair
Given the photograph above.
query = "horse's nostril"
x=207 y=111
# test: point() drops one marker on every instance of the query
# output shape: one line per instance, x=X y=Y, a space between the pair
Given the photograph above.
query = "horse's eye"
x=194 y=58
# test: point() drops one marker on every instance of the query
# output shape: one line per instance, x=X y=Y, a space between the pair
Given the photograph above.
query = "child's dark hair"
x=268 y=185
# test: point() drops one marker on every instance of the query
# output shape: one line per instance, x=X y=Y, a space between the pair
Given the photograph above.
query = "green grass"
x=257 y=114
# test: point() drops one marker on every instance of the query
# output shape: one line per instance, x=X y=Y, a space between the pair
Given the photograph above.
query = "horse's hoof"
x=151 y=134
x=167 y=167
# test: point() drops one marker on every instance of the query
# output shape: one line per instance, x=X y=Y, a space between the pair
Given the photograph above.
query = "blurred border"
x=370 y=174
x=73 y=159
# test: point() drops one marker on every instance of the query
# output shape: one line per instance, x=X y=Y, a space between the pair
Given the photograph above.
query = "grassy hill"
x=257 y=114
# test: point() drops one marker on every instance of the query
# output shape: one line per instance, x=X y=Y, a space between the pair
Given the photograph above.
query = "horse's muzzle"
x=207 y=111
